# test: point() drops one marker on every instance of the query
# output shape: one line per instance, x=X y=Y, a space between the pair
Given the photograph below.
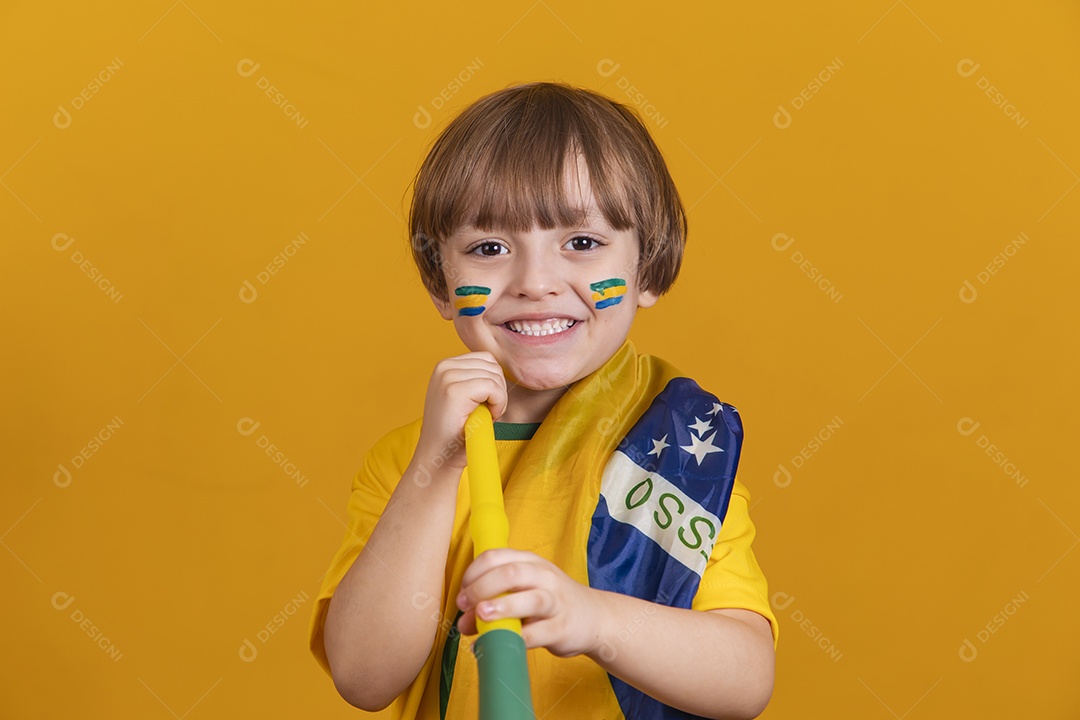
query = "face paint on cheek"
x=608 y=292
x=470 y=299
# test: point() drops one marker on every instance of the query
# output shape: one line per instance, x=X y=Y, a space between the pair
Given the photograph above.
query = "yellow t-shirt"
x=595 y=530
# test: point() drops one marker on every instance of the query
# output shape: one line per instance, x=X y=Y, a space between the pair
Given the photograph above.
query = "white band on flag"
x=660 y=510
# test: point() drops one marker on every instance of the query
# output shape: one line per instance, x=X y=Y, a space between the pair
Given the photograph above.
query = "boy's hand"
x=457 y=386
x=557 y=612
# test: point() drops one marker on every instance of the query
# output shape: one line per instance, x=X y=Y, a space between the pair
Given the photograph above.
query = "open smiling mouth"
x=548 y=327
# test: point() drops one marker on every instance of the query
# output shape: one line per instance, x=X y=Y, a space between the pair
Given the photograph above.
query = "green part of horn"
x=504 y=676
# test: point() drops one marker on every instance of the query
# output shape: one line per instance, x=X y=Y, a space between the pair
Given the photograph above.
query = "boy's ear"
x=445 y=307
x=647 y=298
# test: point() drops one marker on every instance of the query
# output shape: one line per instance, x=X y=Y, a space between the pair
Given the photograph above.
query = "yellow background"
x=889 y=549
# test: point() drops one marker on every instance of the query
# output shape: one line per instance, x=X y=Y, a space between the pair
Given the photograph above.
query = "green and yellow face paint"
x=470 y=299
x=608 y=292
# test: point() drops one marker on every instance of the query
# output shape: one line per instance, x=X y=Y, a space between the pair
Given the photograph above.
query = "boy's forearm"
x=704 y=663
x=384 y=614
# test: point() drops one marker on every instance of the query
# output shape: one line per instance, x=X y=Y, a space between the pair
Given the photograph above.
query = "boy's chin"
x=539 y=381
x=533 y=383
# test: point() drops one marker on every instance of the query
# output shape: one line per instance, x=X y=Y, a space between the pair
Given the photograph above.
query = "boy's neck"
x=530 y=406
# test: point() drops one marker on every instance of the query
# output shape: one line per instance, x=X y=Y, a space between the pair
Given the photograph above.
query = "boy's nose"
x=535 y=277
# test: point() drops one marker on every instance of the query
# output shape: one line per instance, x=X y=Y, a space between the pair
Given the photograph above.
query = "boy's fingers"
x=473 y=366
x=506 y=577
x=470 y=390
x=542 y=634
x=493 y=558
x=498 y=401
x=463 y=363
x=464 y=375
x=478 y=354
x=532 y=604
x=467 y=623
x=475 y=360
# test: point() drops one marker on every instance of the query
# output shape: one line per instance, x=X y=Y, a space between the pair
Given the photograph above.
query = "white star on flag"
x=658 y=446
x=716 y=407
x=701 y=426
x=700 y=448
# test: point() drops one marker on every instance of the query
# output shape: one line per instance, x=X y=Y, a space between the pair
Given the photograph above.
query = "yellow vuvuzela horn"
x=500 y=649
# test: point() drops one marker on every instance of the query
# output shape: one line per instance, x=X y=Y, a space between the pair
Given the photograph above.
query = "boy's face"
x=551 y=305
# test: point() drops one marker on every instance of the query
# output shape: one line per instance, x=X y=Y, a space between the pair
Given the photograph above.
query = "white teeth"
x=550 y=327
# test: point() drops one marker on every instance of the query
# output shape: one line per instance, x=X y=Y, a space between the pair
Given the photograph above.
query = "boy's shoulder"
x=392 y=453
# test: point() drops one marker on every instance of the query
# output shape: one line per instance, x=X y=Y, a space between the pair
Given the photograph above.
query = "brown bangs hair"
x=499 y=165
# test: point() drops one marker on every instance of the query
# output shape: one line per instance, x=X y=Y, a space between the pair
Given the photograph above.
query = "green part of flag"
x=605 y=284
x=475 y=290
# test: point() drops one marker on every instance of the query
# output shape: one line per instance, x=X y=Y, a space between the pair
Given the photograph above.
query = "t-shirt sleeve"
x=732 y=577
x=372 y=487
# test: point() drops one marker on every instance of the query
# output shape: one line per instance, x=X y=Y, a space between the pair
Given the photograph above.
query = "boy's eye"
x=488 y=248
x=583 y=242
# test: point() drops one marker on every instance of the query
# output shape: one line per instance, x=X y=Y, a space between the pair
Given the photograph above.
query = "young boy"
x=543 y=218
